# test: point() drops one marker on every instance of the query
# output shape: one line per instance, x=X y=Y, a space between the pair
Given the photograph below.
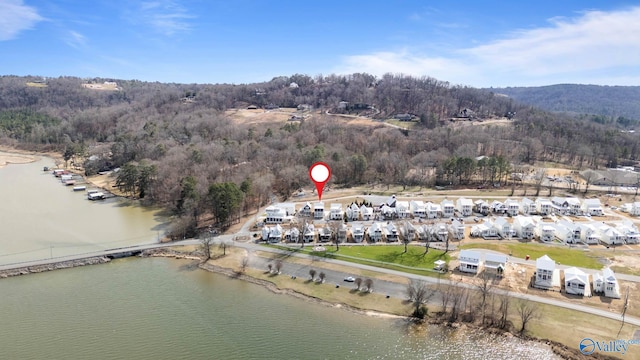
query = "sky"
x=472 y=43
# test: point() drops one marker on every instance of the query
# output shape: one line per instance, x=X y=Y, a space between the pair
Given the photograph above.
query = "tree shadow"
x=190 y=266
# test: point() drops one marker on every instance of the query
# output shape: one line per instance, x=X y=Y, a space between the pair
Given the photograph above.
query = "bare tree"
x=589 y=177
x=358 y=283
x=244 y=263
x=270 y=267
x=205 y=242
x=368 y=284
x=321 y=276
x=503 y=310
x=483 y=285
x=278 y=266
x=334 y=226
x=625 y=305
x=458 y=302
x=540 y=176
x=419 y=293
x=223 y=245
x=312 y=274
x=527 y=311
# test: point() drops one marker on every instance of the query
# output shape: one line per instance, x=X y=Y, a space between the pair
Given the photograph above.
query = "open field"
x=383 y=256
x=36 y=84
x=561 y=255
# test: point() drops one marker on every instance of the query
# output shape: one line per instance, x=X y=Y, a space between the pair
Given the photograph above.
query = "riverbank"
x=368 y=304
x=53 y=266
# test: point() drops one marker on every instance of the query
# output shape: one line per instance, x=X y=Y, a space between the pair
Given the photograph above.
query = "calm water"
x=41 y=218
x=168 y=309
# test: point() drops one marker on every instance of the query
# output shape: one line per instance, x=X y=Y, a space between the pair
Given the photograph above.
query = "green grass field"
x=561 y=255
x=414 y=261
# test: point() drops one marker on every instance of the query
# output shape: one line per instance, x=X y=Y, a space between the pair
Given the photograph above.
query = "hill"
x=610 y=101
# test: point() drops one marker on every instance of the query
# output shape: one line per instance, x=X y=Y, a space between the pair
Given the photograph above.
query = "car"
x=349 y=279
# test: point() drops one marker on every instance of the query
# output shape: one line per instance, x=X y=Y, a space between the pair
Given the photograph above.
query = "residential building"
x=469 y=261
x=353 y=212
x=576 y=282
x=306 y=209
x=524 y=227
x=545 y=231
x=527 y=206
x=418 y=209
x=308 y=233
x=504 y=228
x=456 y=229
x=606 y=283
x=512 y=207
x=544 y=206
x=433 y=210
x=592 y=207
x=495 y=263
x=357 y=232
x=275 y=215
x=375 y=232
x=341 y=236
x=324 y=234
x=336 y=212
x=318 y=210
x=391 y=233
x=545 y=268
x=402 y=209
x=366 y=213
x=465 y=206
x=448 y=209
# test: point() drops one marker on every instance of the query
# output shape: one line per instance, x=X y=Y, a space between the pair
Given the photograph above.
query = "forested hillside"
x=617 y=104
x=177 y=146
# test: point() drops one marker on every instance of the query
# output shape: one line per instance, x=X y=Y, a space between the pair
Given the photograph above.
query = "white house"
x=560 y=205
x=423 y=232
x=524 y=227
x=366 y=213
x=545 y=268
x=606 y=283
x=274 y=233
x=504 y=228
x=448 y=209
x=495 y=263
x=341 y=236
x=545 y=231
x=589 y=233
x=390 y=231
x=353 y=212
x=375 y=232
x=308 y=233
x=275 y=215
x=387 y=212
x=336 y=212
x=456 y=229
x=544 y=206
x=418 y=209
x=576 y=282
x=635 y=209
x=630 y=231
x=433 y=210
x=527 y=206
x=469 y=261
x=465 y=206
x=408 y=231
x=357 y=232
x=481 y=207
x=318 y=210
x=402 y=209
x=512 y=207
x=567 y=231
x=592 y=207
x=306 y=209
x=610 y=235
x=324 y=234
x=575 y=206
x=486 y=230
x=441 y=232
x=498 y=207
x=292 y=235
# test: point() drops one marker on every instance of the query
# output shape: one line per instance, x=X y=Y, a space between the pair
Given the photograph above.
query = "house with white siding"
x=272 y=234
x=527 y=206
x=433 y=210
x=402 y=209
x=545 y=269
x=418 y=209
x=391 y=232
x=336 y=212
x=292 y=235
x=545 y=231
x=560 y=205
x=375 y=232
x=341 y=236
x=568 y=232
x=482 y=207
x=524 y=227
x=318 y=210
x=353 y=212
x=576 y=282
x=512 y=207
x=441 y=231
x=306 y=209
x=495 y=263
x=575 y=206
x=606 y=283
x=592 y=207
x=504 y=228
x=464 y=206
x=635 y=209
x=630 y=231
x=448 y=209
x=610 y=235
x=357 y=232
x=456 y=229
x=469 y=261
x=308 y=233
x=408 y=231
x=589 y=233
x=366 y=213
x=324 y=234
x=544 y=206
x=275 y=215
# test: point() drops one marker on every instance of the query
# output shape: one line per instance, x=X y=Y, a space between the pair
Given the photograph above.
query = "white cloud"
x=165 y=16
x=16 y=17
x=596 y=47
x=76 y=40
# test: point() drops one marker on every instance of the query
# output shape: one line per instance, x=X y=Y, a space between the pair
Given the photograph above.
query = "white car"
x=349 y=279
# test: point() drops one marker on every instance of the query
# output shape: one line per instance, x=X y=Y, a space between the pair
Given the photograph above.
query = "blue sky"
x=475 y=43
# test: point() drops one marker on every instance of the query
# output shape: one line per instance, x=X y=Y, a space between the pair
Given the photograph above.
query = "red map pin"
x=319 y=174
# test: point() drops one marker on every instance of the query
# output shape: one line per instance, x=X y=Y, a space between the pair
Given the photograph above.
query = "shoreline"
x=559 y=349
x=68 y=264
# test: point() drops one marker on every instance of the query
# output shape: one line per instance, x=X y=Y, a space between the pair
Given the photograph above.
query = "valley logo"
x=588 y=346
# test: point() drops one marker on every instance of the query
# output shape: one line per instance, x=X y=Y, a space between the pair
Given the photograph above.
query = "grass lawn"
x=561 y=255
x=403 y=124
x=385 y=256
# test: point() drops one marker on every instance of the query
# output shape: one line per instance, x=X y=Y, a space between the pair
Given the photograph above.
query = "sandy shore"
x=15 y=158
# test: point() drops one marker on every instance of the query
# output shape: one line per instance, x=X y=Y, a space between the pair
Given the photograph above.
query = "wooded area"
x=176 y=148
